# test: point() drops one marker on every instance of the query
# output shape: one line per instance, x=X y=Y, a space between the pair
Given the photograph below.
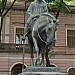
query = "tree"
x=61 y=5
x=70 y=2
x=3 y=13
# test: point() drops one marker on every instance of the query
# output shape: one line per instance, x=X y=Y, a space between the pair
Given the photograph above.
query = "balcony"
x=15 y=48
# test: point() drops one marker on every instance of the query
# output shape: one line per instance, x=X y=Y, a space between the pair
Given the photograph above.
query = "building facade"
x=64 y=51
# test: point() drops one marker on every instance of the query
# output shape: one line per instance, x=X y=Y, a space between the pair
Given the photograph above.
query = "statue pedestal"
x=41 y=71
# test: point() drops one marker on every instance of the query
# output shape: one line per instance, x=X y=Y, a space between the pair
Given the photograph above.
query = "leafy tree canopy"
x=70 y=2
x=8 y=0
x=61 y=5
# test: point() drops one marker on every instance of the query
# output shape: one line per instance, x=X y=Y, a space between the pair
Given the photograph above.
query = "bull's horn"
x=57 y=20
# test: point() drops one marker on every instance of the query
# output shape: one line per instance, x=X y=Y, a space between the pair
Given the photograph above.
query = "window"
x=19 y=34
x=19 y=31
x=7 y=25
x=71 y=38
x=17 y=69
x=71 y=71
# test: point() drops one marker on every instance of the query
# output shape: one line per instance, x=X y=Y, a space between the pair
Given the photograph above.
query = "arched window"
x=71 y=71
x=17 y=69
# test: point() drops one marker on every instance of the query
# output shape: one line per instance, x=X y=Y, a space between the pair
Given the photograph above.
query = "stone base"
x=41 y=71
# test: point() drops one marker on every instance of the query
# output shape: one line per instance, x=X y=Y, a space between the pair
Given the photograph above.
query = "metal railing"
x=18 y=48
x=11 y=47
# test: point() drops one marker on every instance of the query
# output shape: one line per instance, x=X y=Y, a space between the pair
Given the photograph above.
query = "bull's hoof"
x=42 y=64
x=37 y=63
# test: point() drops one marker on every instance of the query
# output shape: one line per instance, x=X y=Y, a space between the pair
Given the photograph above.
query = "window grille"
x=71 y=38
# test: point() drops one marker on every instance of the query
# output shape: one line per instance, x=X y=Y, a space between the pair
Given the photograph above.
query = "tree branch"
x=4 y=4
x=59 y=9
x=9 y=8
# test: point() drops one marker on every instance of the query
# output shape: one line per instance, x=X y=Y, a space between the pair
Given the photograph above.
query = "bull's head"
x=50 y=30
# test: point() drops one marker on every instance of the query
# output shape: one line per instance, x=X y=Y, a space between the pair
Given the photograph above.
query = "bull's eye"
x=49 y=21
x=54 y=21
x=49 y=28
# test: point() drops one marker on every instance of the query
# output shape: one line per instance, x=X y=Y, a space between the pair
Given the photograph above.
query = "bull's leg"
x=31 y=49
x=37 y=49
x=37 y=52
x=47 y=58
x=32 y=56
x=43 y=53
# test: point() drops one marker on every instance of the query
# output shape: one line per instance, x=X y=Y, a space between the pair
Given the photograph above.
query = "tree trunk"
x=0 y=36
x=1 y=23
x=59 y=9
x=2 y=14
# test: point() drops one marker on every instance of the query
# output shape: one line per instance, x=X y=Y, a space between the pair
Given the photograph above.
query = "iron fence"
x=11 y=47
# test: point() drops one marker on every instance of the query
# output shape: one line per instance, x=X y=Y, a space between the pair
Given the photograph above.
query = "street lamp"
x=23 y=33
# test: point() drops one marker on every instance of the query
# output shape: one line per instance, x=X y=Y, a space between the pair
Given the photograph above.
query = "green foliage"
x=48 y=1
x=31 y=0
x=3 y=3
x=8 y=0
x=0 y=4
x=65 y=8
x=70 y=2
x=57 y=3
x=0 y=0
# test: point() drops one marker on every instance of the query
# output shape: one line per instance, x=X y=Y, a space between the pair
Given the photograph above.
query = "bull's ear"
x=57 y=20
